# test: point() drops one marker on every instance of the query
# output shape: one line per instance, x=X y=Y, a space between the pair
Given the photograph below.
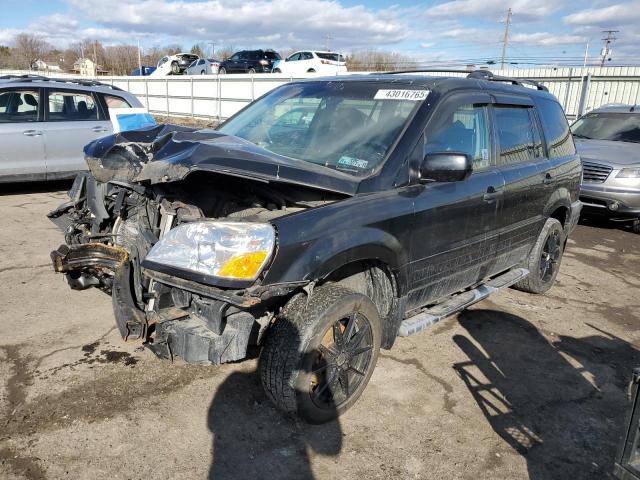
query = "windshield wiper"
x=577 y=135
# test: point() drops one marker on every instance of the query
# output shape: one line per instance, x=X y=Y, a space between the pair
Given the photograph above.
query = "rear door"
x=22 y=154
x=456 y=228
x=520 y=159
x=307 y=62
x=293 y=63
x=72 y=119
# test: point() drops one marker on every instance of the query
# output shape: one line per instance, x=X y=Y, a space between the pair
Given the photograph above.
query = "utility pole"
x=140 y=72
x=505 y=40
x=213 y=50
x=606 y=48
x=586 y=55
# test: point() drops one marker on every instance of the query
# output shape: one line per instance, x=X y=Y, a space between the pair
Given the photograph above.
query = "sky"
x=435 y=32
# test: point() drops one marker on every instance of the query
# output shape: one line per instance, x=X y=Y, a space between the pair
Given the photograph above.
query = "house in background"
x=87 y=68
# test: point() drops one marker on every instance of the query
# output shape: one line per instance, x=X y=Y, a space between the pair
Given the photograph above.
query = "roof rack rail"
x=489 y=76
x=424 y=70
x=23 y=76
x=39 y=78
x=477 y=74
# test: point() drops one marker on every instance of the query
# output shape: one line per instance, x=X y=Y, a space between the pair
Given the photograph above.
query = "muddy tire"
x=635 y=226
x=544 y=259
x=318 y=357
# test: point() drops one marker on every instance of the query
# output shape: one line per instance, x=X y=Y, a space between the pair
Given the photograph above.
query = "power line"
x=505 y=40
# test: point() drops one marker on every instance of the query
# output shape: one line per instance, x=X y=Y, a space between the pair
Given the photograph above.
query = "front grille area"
x=595 y=172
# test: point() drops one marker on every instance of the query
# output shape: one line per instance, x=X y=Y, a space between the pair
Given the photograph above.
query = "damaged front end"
x=144 y=184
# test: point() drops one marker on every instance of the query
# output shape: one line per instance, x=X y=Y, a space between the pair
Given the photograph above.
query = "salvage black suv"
x=322 y=221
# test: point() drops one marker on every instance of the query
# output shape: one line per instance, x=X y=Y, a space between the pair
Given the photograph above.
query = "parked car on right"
x=607 y=140
x=309 y=61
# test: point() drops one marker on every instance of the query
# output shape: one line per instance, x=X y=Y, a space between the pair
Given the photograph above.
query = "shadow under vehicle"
x=379 y=206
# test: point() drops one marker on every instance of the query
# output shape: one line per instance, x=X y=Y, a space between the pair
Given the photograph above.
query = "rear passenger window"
x=556 y=129
x=71 y=106
x=463 y=131
x=518 y=136
x=19 y=106
x=116 y=102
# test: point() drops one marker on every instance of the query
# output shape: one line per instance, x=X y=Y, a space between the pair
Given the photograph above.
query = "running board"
x=459 y=302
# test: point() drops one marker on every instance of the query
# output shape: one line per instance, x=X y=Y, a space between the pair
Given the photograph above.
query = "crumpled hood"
x=168 y=153
x=606 y=151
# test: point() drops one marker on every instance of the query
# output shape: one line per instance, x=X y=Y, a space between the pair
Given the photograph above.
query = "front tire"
x=635 y=226
x=222 y=71
x=175 y=68
x=252 y=71
x=319 y=357
x=544 y=260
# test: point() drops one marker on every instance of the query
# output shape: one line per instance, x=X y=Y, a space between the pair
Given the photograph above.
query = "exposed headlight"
x=629 y=173
x=235 y=250
x=264 y=62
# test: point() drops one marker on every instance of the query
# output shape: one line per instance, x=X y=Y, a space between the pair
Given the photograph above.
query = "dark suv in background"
x=324 y=220
x=250 y=61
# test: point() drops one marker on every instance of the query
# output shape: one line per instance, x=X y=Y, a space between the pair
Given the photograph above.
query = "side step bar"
x=459 y=302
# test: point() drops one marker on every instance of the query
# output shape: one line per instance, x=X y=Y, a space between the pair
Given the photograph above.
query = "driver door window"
x=464 y=130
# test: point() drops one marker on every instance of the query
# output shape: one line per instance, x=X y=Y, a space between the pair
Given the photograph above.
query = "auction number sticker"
x=415 y=95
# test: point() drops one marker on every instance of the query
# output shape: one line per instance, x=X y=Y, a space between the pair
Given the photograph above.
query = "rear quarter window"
x=113 y=101
x=556 y=129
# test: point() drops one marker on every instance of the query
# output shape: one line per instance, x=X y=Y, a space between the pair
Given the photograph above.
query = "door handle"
x=32 y=133
x=491 y=195
x=548 y=179
x=98 y=129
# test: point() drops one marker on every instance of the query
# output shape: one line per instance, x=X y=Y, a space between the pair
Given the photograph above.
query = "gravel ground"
x=517 y=387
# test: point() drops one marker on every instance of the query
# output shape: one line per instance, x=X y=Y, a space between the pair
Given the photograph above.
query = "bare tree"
x=29 y=48
x=225 y=52
x=5 y=56
x=378 y=61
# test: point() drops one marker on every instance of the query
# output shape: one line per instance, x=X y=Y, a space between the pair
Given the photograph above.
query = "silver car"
x=45 y=123
x=608 y=141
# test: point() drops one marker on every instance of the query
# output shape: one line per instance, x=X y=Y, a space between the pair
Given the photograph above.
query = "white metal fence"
x=218 y=97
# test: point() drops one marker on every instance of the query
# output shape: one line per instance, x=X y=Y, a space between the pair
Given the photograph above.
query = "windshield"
x=620 y=127
x=348 y=126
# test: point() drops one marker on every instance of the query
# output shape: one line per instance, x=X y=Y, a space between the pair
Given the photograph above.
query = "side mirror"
x=445 y=167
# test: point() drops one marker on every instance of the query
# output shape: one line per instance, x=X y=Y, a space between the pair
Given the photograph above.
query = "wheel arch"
x=376 y=280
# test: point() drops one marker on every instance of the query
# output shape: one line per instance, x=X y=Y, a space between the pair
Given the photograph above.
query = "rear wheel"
x=222 y=71
x=544 y=259
x=311 y=70
x=277 y=70
x=252 y=70
x=203 y=72
x=635 y=226
x=318 y=358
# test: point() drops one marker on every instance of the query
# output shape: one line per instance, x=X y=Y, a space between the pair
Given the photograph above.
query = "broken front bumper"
x=88 y=264
x=196 y=322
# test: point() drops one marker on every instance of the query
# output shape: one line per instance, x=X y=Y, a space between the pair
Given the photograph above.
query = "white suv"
x=309 y=61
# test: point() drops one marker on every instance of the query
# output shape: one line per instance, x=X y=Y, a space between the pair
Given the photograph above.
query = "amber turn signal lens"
x=244 y=266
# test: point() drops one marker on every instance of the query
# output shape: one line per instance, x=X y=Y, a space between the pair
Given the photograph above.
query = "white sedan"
x=311 y=61
x=203 y=66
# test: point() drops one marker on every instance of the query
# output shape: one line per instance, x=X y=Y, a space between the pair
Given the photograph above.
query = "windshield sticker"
x=353 y=162
x=414 y=95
